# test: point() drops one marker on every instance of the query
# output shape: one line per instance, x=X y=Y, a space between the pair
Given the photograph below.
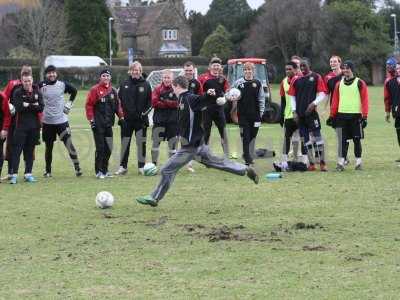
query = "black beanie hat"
x=349 y=64
x=50 y=68
x=105 y=71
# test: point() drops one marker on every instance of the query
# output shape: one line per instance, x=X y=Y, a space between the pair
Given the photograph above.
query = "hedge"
x=80 y=77
x=164 y=61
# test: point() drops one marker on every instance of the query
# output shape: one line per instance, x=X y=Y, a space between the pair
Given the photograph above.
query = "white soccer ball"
x=150 y=169
x=11 y=108
x=233 y=94
x=221 y=101
x=104 y=199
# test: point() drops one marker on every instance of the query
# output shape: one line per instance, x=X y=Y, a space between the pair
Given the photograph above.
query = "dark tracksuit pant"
x=217 y=116
x=9 y=145
x=127 y=130
x=2 y=141
x=24 y=140
x=204 y=156
x=103 y=139
x=248 y=133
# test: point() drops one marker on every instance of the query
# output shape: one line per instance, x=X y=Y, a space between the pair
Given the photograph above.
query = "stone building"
x=152 y=29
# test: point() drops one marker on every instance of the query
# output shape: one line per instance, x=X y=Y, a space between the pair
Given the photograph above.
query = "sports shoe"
x=13 y=179
x=358 y=167
x=47 y=175
x=108 y=175
x=7 y=177
x=323 y=167
x=147 y=200
x=252 y=174
x=29 y=178
x=141 y=171
x=339 y=168
x=311 y=168
x=78 y=172
x=121 y=171
x=100 y=175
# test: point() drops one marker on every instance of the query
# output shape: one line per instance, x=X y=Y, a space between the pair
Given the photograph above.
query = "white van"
x=71 y=61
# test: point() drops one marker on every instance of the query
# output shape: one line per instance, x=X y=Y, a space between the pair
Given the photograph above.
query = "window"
x=170 y=34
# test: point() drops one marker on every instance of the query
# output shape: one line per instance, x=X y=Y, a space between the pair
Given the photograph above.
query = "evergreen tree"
x=218 y=43
x=87 y=23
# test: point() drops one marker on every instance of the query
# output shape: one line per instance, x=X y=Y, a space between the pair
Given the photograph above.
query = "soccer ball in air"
x=233 y=94
x=104 y=199
x=150 y=169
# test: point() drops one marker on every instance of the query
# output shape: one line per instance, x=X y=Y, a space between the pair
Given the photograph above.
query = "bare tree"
x=42 y=29
x=284 y=27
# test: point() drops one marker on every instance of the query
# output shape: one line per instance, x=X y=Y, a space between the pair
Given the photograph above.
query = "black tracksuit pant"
x=127 y=131
x=248 y=133
x=24 y=140
x=103 y=139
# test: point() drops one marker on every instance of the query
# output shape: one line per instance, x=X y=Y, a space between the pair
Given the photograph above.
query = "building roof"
x=137 y=20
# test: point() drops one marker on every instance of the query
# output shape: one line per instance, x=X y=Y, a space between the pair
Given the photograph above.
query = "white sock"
x=28 y=174
x=341 y=161
x=358 y=161
x=284 y=158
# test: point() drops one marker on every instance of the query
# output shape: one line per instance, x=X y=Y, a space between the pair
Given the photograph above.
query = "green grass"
x=55 y=243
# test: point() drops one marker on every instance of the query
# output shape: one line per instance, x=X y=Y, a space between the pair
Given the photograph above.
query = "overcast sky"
x=202 y=5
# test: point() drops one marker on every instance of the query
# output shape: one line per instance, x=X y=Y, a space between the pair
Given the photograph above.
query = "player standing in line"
x=193 y=147
x=165 y=117
x=55 y=117
x=135 y=96
x=250 y=108
x=195 y=88
x=349 y=112
x=213 y=79
x=390 y=94
x=28 y=104
x=8 y=91
x=102 y=104
x=307 y=92
x=5 y=120
x=392 y=101
x=331 y=79
x=287 y=121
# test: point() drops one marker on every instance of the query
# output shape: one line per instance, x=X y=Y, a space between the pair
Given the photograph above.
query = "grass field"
x=214 y=236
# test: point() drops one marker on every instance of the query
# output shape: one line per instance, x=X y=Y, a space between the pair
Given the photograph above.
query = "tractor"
x=235 y=71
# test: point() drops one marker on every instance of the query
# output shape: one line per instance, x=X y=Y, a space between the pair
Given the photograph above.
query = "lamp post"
x=396 y=37
x=110 y=19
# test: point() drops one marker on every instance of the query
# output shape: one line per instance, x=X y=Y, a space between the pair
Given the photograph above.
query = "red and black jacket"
x=165 y=104
x=5 y=116
x=218 y=83
x=102 y=104
x=27 y=117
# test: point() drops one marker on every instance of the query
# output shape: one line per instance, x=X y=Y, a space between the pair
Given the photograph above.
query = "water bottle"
x=273 y=176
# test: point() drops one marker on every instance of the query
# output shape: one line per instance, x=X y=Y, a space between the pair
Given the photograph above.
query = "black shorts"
x=165 y=131
x=351 y=128
x=50 y=132
x=290 y=127
x=311 y=122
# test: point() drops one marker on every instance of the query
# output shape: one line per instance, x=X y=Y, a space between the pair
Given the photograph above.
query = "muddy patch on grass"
x=225 y=233
x=305 y=226
x=157 y=222
x=315 y=248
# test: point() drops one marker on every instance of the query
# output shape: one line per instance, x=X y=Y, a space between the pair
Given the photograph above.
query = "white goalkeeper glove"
x=67 y=107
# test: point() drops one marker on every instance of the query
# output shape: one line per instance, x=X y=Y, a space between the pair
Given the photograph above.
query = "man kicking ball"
x=192 y=140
